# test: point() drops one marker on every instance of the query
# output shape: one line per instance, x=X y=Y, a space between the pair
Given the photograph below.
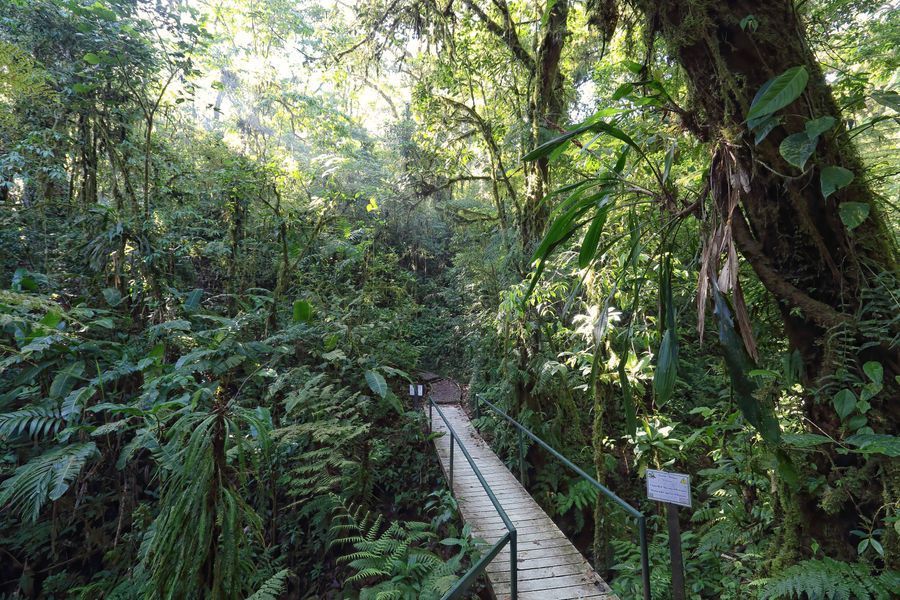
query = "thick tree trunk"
x=822 y=275
x=545 y=108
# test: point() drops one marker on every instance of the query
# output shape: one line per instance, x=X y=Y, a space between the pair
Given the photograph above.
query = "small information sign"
x=674 y=488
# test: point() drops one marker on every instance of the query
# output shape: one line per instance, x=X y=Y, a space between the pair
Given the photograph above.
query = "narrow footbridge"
x=528 y=556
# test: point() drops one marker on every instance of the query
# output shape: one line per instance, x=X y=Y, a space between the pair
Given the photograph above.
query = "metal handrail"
x=463 y=584
x=638 y=515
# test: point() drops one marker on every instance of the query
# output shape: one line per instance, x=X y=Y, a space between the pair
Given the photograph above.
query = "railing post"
x=522 y=473
x=477 y=407
x=645 y=556
x=430 y=418
x=451 y=461
x=513 y=565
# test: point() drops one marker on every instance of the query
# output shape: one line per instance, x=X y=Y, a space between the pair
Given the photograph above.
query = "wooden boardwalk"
x=550 y=567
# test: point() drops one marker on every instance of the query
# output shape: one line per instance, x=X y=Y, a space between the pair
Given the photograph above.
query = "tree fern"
x=829 y=579
x=46 y=477
x=204 y=523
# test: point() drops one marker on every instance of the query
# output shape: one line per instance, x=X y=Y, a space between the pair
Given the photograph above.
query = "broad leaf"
x=627 y=399
x=844 y=403
x=592 y=238
x=622 y=91
x=112 y=296
x=377 y=383
x=853 y=213
x=804 y=440
x=302 y=311
x=834 y=178
x=874 y=371
x=765 y=127
x=876 y=443
x=65 y=380
x=192 y=302
x=816 y=127
x=887 y=98
x=761 y=416
x=394 y=402
x=666 y=367
x=596 y=126
x=779 y=92
x=797 y=148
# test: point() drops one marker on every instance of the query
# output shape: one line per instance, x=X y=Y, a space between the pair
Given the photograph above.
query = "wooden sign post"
x=674 y=489
x=416 y=391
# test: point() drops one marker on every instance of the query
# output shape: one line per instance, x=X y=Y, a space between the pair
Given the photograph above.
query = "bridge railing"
x=638 y=515
x=462 y=585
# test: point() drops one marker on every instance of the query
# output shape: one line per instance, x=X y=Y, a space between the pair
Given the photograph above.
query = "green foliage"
x=834 y=178
x=779 y=92
x=391 y=558
x=45 y=477
x=827 y=578
x=222 y=253
x=273 y=588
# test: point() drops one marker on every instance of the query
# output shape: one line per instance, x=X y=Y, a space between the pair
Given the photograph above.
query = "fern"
x=829 y=579
x=320 y=443
x=37 y=421
x=391 y=560
x=273 y=587
x=46 y=477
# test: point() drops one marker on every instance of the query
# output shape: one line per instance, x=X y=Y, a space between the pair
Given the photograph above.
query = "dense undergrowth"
x=232 y=233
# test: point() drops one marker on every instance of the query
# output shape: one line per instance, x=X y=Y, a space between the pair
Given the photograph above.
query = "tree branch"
x=506 y=32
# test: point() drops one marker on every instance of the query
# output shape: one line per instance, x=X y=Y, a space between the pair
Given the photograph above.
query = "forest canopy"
x=660 y=234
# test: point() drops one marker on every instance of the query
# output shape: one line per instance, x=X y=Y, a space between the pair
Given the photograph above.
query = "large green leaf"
x=377 y=383
x=738 y=363
x=627 y=398
x=666 y=367
x=192 y=302
x=779 y=92
x=65 y=380
x=797 y=148
x=844 y=403
x=592 y=238
x=876 y=443
x=853 y=213
x=667 y=363
x=834 y=178
x=887 y=98
x=302 y=311
x=874 y=371
x=816 y=127
x=596 y=127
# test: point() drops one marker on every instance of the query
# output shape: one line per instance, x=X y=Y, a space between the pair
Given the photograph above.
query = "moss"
x=786 y=549
x=602 y=549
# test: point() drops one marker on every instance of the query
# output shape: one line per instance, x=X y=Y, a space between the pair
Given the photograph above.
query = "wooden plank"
x=549 y=566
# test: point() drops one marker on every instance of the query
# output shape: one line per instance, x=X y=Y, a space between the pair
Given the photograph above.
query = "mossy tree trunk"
x=822 y=275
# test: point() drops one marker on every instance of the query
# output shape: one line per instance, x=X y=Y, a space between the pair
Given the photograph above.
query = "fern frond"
x=37 y=421
x=46 y=477
x=827 y=579
x=273 y=587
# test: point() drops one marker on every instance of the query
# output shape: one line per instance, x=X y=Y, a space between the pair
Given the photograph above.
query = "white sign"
x=412 y=390
x=421 y=390
x=674 y=488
